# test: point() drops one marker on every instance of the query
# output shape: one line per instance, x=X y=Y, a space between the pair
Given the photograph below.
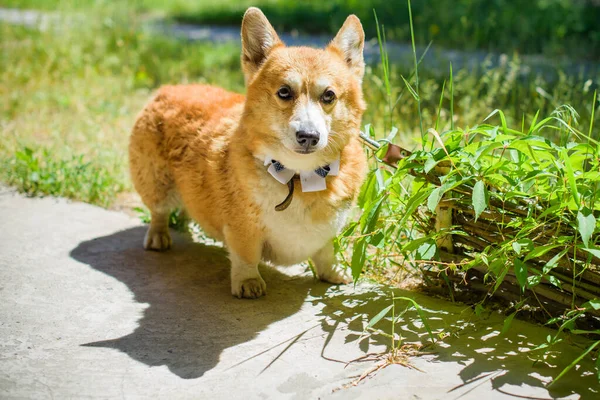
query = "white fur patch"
x=291 y=235
x=321 y=85
x=294 y=80
x=310 y=117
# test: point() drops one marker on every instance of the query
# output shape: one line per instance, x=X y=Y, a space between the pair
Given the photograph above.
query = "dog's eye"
x=285 y=93
x=328 y=97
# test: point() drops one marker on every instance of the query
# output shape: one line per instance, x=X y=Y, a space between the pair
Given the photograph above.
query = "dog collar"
x=311 y=181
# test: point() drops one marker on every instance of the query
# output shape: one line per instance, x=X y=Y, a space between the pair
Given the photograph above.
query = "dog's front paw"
x=249 y=288
x=157 y=240
x=336 y=275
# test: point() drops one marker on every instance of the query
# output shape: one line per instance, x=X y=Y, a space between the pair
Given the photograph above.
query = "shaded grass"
x=555 y=27
x=70 y=94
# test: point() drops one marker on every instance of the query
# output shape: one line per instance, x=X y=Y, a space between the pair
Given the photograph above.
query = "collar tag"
x=334 y=168
x=283 y=175
x=312 y=181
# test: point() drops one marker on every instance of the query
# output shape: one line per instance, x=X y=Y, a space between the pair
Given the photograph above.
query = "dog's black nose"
x=307 y=138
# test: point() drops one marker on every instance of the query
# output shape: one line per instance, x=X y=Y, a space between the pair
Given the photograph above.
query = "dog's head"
x=303 y=105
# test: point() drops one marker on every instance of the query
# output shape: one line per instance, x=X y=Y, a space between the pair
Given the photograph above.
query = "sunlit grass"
x=71 y=93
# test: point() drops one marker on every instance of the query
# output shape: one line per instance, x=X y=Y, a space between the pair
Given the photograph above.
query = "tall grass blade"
x=410 y=89
x=592 y=116
x=451 y=98
x=437 y=121
x=422 y=315
x=568 y=368
x=414 y=50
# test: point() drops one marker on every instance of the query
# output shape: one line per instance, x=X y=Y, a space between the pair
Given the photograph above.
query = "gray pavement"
x=85 y=312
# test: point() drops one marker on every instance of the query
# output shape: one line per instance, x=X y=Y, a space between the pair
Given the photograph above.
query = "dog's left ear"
x=258 y=39
x=350 y=41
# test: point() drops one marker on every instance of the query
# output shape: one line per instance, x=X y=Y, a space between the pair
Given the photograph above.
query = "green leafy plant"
x=494 y=206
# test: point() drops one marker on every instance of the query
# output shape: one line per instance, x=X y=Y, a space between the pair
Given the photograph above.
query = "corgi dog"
x=273 y=174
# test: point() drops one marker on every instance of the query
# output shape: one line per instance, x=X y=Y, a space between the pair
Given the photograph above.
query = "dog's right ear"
x=258 y=39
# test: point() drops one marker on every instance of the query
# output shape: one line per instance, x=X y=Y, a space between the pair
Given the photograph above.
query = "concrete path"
x=86 y=313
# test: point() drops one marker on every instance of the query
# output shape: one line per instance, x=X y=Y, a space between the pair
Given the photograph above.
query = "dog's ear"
x=258 y=39
x=350 y=41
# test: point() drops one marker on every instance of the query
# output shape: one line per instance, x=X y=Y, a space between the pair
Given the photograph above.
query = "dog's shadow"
x=191 y=315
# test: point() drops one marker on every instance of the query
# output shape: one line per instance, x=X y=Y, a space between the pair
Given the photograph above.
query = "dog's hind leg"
x=153 y=180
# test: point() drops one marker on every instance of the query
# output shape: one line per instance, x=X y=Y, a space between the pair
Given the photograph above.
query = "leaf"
x=378 y=317
x=482 y=151
x=479 y=198
x=413 y=203
x=358 y=258
x=555 y=281
x=438 y=138
x=479 y=309
x=517 y=247
x=377 y=239
x=380 y=179
x=368 y=191
x=350 y=229
x=421 y=315
x=369 y=220
x=500 y=278
x=429 y=164
x=594 y=252
x=570 y=174
x=533 y=280
x=595 y=304
x=427 y=250
x=508 y=322
x=497 y=266
x=434 y=198
x=414 y=244
x=586 y=225
x=540 y=251
x=521 y=273
x=568 y=368
x=393 y=132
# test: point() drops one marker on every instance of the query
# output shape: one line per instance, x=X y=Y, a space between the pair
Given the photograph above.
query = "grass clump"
x=36 y=172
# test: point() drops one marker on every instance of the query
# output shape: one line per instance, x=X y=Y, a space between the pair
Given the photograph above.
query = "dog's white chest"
x=291 y=235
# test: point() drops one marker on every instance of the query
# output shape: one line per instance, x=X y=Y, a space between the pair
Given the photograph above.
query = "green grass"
x=555 y=27
x=70 y=95
x=39 y=172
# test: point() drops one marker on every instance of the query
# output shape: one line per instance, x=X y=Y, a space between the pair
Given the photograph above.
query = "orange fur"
x=204 y=147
